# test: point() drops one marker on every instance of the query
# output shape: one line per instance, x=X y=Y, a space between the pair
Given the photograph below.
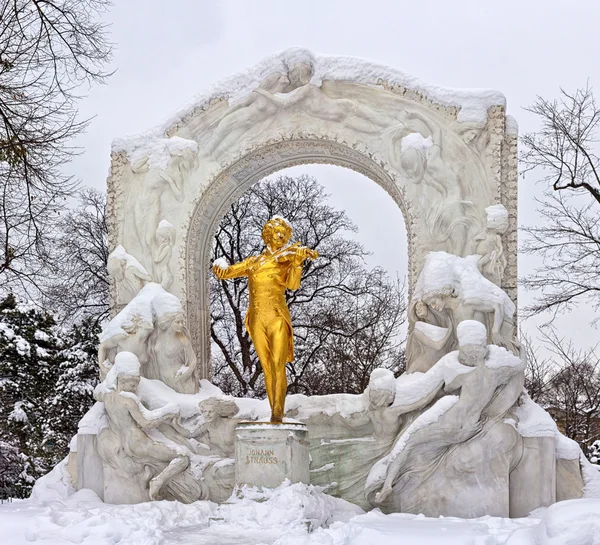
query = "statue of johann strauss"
x=268 y=321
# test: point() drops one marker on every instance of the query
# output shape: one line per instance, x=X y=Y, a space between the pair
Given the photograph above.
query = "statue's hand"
x=219 y=272
x=303 y=253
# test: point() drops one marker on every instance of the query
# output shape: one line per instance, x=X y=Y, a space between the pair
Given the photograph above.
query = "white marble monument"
x=455 y=435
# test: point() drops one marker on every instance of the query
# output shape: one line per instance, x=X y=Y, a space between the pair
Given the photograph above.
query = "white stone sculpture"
x=128 y=440
x=218 y=430
x=172 y=358
x=162 y=252
x=156 y=182
x=435 y=451
x=455 y=285
x=128 y=274
x=452 y=218
x=489 y=244
x=129 y=330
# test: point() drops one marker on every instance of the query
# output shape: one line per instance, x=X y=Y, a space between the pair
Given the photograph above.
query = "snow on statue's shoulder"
x=94 y=421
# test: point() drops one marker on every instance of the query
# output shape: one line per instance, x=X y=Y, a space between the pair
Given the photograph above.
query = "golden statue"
x=268 y=320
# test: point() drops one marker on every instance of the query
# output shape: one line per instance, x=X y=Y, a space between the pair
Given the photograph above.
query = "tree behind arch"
x=346 y=318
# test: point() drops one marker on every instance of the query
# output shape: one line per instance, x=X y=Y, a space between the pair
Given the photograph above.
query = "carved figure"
x=219 y=425
x=127 y=272
x=164 y=241
x=130 y=422
x=172 y=358
x=432 y=335
x=268 y=320
x=152 y=185
x=130 y=337
x=486 y=394
x=451 y=216
x=310 y=99
x=255 y=113
x=449 y=282
x=489 y=244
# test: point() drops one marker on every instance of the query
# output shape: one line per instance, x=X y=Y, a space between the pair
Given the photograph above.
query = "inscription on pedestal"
x=267 y=454
x=261 y=457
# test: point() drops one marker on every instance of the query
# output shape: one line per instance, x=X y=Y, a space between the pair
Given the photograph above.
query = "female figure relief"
x=172 y=358
x=268 y=320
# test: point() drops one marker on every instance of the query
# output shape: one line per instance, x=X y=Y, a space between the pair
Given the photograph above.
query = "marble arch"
x=232 y=183
x=445 y=156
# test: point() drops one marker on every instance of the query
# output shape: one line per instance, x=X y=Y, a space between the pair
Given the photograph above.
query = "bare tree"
x=77 y=285
x=345 y=317
x=49 y=49
x=538 y=373
x=565 y=149
x=566 y=146
x=574 y=396
x=568 y=241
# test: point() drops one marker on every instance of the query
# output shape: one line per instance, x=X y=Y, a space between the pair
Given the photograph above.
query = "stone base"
x=267 y=454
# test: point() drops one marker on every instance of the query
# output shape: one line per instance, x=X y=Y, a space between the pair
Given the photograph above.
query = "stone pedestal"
x=267 y=454
x=90 y=472
x=533 y=481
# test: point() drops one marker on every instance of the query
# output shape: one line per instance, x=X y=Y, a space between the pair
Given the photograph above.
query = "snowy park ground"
x=290 y=515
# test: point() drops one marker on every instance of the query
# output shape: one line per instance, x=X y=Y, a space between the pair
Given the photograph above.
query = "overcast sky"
x=168 y=51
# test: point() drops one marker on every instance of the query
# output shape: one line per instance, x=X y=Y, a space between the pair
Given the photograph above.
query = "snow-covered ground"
x=290 y=515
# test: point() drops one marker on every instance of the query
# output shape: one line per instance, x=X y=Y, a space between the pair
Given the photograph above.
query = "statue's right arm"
x=236 y=270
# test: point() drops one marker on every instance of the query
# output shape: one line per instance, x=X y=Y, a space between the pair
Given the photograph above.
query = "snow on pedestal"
x=268 y=454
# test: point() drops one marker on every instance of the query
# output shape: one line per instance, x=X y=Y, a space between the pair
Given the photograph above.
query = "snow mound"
x=288 y=509
x=254 y=516
x=94 y=421
x=56 y=485
x=158 y=150
x=497 y=217
x=448 y=274
x=120 y=254
x=536 y=422
x=138 y=309
x=382 y=379
x=571 y=522
x=416 y=141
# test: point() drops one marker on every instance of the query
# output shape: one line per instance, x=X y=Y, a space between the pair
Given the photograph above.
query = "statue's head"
x=472 y=343
x=276 y=233
x=413 y=162
x=168 y=312
x=165 y=233
x=128 y=383
x=172 y=320
x=213 y=407
x=382 y=388
x=126 y=369
x=436 y=299
x=137 y=324
x=421 y=310
x=301 y=73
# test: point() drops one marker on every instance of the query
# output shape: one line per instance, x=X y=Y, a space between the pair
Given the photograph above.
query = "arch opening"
x=350 y=313
x=228 y=186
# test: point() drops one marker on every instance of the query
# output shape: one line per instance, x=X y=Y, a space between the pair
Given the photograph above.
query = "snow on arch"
x=472 y=105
